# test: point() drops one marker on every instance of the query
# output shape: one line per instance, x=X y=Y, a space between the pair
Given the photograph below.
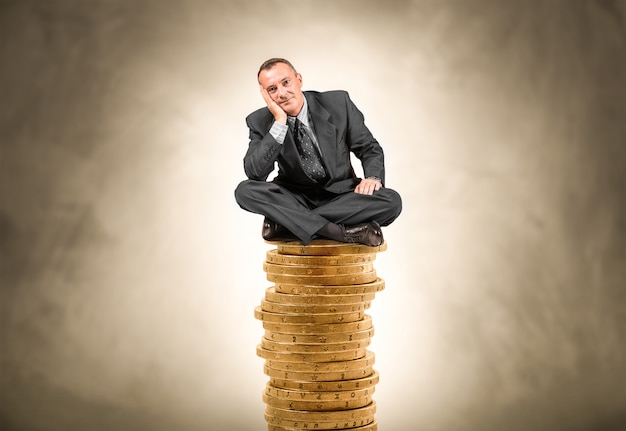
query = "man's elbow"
x=254 y=172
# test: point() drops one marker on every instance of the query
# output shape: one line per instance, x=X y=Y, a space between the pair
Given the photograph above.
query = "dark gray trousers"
x=305 y=214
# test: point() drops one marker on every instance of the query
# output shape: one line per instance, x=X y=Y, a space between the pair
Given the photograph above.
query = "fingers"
x=275 y=109
x=367 y=186
x=271 y=104
x=266 y=96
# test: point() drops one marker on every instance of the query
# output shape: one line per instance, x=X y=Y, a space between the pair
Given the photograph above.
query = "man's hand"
x=368 y=186
x=279 y=115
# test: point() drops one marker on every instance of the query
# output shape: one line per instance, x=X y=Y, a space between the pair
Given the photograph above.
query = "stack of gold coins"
x=316 y=336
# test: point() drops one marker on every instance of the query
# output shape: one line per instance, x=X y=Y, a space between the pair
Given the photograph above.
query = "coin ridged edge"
x=316 y=298
x=318 y=270
x=373 y=286
x=323 y=280
x=277 y=307
x=318 y=260
x=320 y=425
x=316 y=361
x=318 y=405
x=334 y=338
x=331 y=416
x=318 y=377
x=317 y=318
x=289 y=347
x=367 y=381
x=322 y=328
x=294 y=394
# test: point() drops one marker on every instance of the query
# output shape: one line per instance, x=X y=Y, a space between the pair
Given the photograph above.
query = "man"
x=316 y=193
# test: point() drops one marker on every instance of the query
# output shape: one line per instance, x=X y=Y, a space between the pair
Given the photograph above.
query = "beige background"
x=129 y=274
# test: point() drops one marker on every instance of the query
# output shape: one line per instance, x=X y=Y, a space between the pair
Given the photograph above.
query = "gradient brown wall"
x=129 y=274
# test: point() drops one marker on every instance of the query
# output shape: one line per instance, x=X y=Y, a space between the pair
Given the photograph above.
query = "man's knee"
x=250 y=191
x=396 y=202
x=243 y=192
x=394 y=206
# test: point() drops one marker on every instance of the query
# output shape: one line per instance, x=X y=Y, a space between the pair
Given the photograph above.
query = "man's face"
x=284 y=87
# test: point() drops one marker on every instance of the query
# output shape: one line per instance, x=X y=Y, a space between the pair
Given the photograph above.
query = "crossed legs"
x=305 y=215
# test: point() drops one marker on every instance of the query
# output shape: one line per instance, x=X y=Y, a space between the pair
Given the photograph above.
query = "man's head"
x=284 y=85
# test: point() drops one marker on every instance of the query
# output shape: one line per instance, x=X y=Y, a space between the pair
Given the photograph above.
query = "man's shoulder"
x=334 y=102
x=331 y=95
x=261 y=115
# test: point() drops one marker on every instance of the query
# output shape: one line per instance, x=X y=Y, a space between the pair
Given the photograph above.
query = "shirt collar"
x=303 y=115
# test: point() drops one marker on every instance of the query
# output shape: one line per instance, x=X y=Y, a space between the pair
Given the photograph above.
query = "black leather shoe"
x=272 y=231
x=367 y=233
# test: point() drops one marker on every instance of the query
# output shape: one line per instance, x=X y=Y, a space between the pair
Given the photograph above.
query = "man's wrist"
x=279 y=131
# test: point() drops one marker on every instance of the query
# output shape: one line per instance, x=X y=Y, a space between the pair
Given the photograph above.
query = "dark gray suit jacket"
x=340 y=129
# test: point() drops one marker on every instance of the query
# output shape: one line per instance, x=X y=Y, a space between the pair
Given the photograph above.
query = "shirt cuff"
x=279 y=132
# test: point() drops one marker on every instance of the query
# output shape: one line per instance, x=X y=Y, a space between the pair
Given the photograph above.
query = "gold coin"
x=318 y=377
x=318 y=405
x=316 y=362
x=326 y=248
x=358 y=268
x=310 y=416
x=317 y=396
x=298 y=361
x=341 y=337
x=278 y=423
x=316 y=299
x=319 y=328
x=275 y=307
x=350 y=289
x=312 y=348
x=320 y=372
x=341 y=385
x=320 y=318
x=340 y=426
x=273 y=256
x=323 y=280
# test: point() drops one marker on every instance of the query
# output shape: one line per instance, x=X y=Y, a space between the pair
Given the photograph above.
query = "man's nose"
x=281 y=92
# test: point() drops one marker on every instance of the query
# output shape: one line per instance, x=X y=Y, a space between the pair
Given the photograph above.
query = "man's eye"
x=286 y=82
x=271 y=89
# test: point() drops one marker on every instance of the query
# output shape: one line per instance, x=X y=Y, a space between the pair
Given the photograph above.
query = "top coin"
x=318 y=260
x=320 y=247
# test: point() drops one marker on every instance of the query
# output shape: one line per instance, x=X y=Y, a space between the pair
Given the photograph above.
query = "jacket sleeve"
x=363 y=144
x=263 y=150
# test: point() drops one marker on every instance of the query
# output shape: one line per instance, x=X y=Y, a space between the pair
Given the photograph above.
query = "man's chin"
x=287 y=107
